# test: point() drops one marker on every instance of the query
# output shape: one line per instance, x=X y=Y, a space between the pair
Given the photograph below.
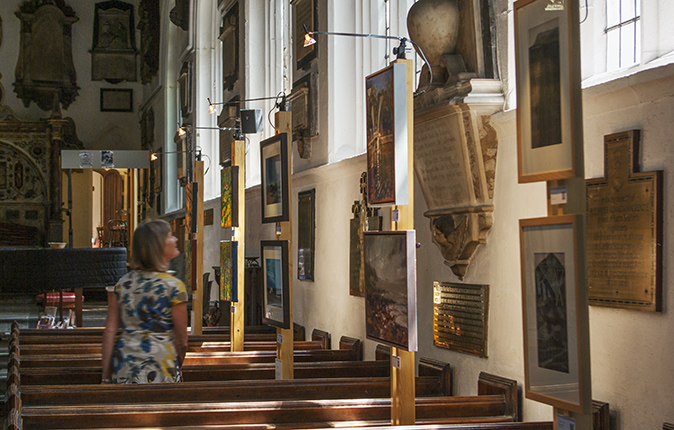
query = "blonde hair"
x=147 y=246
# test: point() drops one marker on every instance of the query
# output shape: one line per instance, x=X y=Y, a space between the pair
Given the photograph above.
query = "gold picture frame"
x=555 y=349
x=549 y=113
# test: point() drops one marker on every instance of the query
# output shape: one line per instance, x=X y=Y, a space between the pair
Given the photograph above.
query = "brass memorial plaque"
x=624 y=229
x=460 y=317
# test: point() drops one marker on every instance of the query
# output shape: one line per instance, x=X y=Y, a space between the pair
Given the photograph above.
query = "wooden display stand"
x=402 y=377
x=237 y=321
x=284 y=348
x=197 y=296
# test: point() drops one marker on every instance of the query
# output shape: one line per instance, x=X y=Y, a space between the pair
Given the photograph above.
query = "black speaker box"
x=251 y=121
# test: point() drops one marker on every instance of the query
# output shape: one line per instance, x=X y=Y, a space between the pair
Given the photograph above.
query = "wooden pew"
x=236 y=410
x=307 y=413
x=350 y=349
x=434 y=383
x=225 y=372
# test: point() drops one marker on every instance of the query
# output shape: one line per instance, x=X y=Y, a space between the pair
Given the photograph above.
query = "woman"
x=150 y=306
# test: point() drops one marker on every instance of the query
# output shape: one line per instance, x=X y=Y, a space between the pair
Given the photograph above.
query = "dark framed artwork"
x=275 y=283
x=387 y=142
x=555 y=349
x=229 y=36
x=229 y=192
x=116 y=100
x=275 y=176
x=304 y=13
x=549 y=117
x=390 y=267
x=191 y=193
x=229 y=278
x=306 y=227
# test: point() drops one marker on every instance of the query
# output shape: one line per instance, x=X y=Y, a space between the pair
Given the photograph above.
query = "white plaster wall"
x=631 y=350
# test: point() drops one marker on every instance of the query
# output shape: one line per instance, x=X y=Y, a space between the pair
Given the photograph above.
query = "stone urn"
x=434 y=26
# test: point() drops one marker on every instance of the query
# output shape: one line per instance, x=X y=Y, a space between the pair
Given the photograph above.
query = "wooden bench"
x=236 y=410
x=350 y=349
x=435 y=382
x=263 y=332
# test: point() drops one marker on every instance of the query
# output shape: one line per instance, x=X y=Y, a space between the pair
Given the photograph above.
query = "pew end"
x=492 y=384
x=430 y=367
x=323 y=337
x=352 y=344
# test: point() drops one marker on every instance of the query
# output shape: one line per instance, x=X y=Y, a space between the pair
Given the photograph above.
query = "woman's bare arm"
x=111 y=328
x=179 y=316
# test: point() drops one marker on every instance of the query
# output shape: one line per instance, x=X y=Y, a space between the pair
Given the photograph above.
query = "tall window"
x=623 y=33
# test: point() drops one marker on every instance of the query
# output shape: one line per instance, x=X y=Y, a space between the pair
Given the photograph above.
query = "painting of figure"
x=551 y=312
x=380 y=141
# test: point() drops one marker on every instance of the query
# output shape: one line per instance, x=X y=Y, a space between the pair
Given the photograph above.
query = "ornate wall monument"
x=45 y=35
x=455 y=146
x=113 y=55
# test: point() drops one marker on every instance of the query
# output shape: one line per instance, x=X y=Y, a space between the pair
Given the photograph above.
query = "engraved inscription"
x=622 y=233
x=440 y=163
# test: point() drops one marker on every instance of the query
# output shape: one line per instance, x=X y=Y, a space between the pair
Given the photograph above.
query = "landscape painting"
x=390 y=288
x=276 y=283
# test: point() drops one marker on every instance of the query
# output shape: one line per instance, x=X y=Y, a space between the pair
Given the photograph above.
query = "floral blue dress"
x=145 y=351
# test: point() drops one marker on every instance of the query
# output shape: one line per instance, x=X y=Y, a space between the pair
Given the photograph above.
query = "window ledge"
x=603 y=78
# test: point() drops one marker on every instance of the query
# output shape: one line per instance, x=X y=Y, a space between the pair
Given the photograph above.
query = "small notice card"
x=565 y=423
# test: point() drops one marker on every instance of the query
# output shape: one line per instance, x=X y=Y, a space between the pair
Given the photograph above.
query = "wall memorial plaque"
x=455 y=161
x=460 y=314
x=624 y=229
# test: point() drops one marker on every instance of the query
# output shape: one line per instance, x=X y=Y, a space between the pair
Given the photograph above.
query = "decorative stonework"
x=113 y=55
x=455 y=159
x=46 y=34
x=455 y=146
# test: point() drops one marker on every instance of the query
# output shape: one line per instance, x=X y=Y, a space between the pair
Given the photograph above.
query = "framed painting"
x=191 y=262
x=555 y=349
x=191 y=192
x=387 y=143
x=275 y=283
x=229 y=192
x=549 y=113
x=306 y=223
x=390 y=269
x=275 y=176
x=116 y=100
x=229 y=278
x=305 y=14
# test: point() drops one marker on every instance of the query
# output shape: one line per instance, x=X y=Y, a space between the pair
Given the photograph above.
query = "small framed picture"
x=229 y=187
x=306 y=222
x=554 y=346
x=229 y=277
x=549 y=117
x=116 y=100
x=275 y=177
x=275 y=283
x=390 y=266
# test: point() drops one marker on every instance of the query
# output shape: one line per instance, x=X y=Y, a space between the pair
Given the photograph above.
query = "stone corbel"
x=458 y=232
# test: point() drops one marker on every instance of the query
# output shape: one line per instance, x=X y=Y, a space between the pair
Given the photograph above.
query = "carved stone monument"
x=45 y=35
x=455 y=146
x=113 y=56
